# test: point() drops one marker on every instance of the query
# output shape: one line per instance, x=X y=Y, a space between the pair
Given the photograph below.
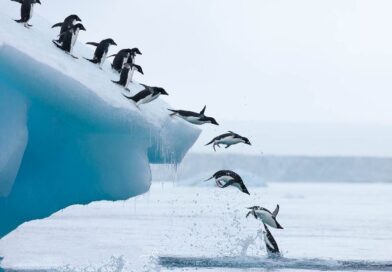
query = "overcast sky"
x=258 y=60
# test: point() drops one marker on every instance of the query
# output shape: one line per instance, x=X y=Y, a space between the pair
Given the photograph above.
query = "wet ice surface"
x=173 y=228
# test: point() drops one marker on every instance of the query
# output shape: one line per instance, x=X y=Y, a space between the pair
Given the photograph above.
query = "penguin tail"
x=116 y=82
x=112 y=56
x=57 y=25
x=129 y=97
x=210 y=142
x=92 y=60
x=174 y=112
x=19 y=21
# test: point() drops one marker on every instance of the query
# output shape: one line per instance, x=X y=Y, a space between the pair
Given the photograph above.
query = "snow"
x=323 y=223
x=68 y=136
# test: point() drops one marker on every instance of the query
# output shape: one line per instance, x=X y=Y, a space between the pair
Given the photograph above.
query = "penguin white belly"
x=73 y=41
x=266 y=218
x=193 y=119
x=267 y=241
x=31 y=12
x=229 y=140
x=103 y=59
x=129 y=78
x=147 y=99
x=223 y=180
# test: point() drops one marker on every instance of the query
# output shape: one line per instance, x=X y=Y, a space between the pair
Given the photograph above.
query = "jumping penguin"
x=127 y=74
x=194 y=117
x=69 y=38
x=147 y=95
x=265 y=216
x=225 y=178
x=229 y=139
x=270 y=243
x=26 y=11
x=124 y=56
x=68 y=22
x=101 y=51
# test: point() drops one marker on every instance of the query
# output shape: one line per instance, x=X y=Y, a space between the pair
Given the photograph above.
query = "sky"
x=257 y=61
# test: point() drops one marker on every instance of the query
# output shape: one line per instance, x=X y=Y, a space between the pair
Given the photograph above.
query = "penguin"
x=225 y=178
x=228 y=139
x=265 y=216
x=127 y=74
x=101 y=51
x=69 y=38
x=26 y=11
x=270 y=244
x=132 y=56
x=123 y=56
x=147 y=95
x=194 y=117
x=65 y=25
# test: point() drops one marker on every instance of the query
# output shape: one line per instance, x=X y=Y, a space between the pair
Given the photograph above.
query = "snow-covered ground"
x=203 y=226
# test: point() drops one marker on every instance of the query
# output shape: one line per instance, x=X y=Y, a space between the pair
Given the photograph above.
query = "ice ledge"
x=63 y=142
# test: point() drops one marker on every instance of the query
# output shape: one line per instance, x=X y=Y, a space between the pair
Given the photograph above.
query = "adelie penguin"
x=26 y=11
x=225 y=178
x=228 y=139
x=101 y=51
x=68 y=22
x=147 y=95
x=267 y=217
x=124 y=56
x=127 y=74
x=194 y=117
x=270 y=243
x=69 y=38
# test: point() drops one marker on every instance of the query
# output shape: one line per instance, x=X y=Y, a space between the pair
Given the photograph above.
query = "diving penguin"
x=194 y=117
x=229 y=139
x=265 y=216
x=270 y=243
x=101 y=51
x=225 y=178
x=147 y=95
x=127 y=74
x=66 y=25
x=26 y=11
x=69 y=38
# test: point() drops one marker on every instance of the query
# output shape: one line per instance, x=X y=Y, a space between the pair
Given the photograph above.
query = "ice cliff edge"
x=67 y=135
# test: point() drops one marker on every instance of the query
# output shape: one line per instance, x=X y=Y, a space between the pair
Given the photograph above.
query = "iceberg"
x=67 y=134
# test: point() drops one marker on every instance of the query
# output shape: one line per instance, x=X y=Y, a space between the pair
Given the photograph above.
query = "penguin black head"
x=37 y=2
x=80 y=27
x=110 y=41
x=246 y=141
x=74 y=17
x=138 y=68
x=210 y=120
x=160 y=90
x=135 y=51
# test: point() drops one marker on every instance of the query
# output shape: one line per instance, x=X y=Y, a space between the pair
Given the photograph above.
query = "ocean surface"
x=327 y=227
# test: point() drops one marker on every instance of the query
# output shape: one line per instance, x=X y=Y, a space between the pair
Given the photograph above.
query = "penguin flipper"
x=92 y=43
x=57 y=25
x=227 y=184
x=244 y=189
x=203 y=110
x=56 y=44
x=276 y=211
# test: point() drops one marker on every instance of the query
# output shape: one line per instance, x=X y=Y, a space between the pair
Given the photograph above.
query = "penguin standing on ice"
x=101 y=51
x=123 y=56
x=127 y=74
x=147 y=95
x=229 y=139
x=69 y=38
x=265 y=216
x=225 y=178
x=194 y=117
x=70 y=21
x=26 y=11
x=270 y=243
